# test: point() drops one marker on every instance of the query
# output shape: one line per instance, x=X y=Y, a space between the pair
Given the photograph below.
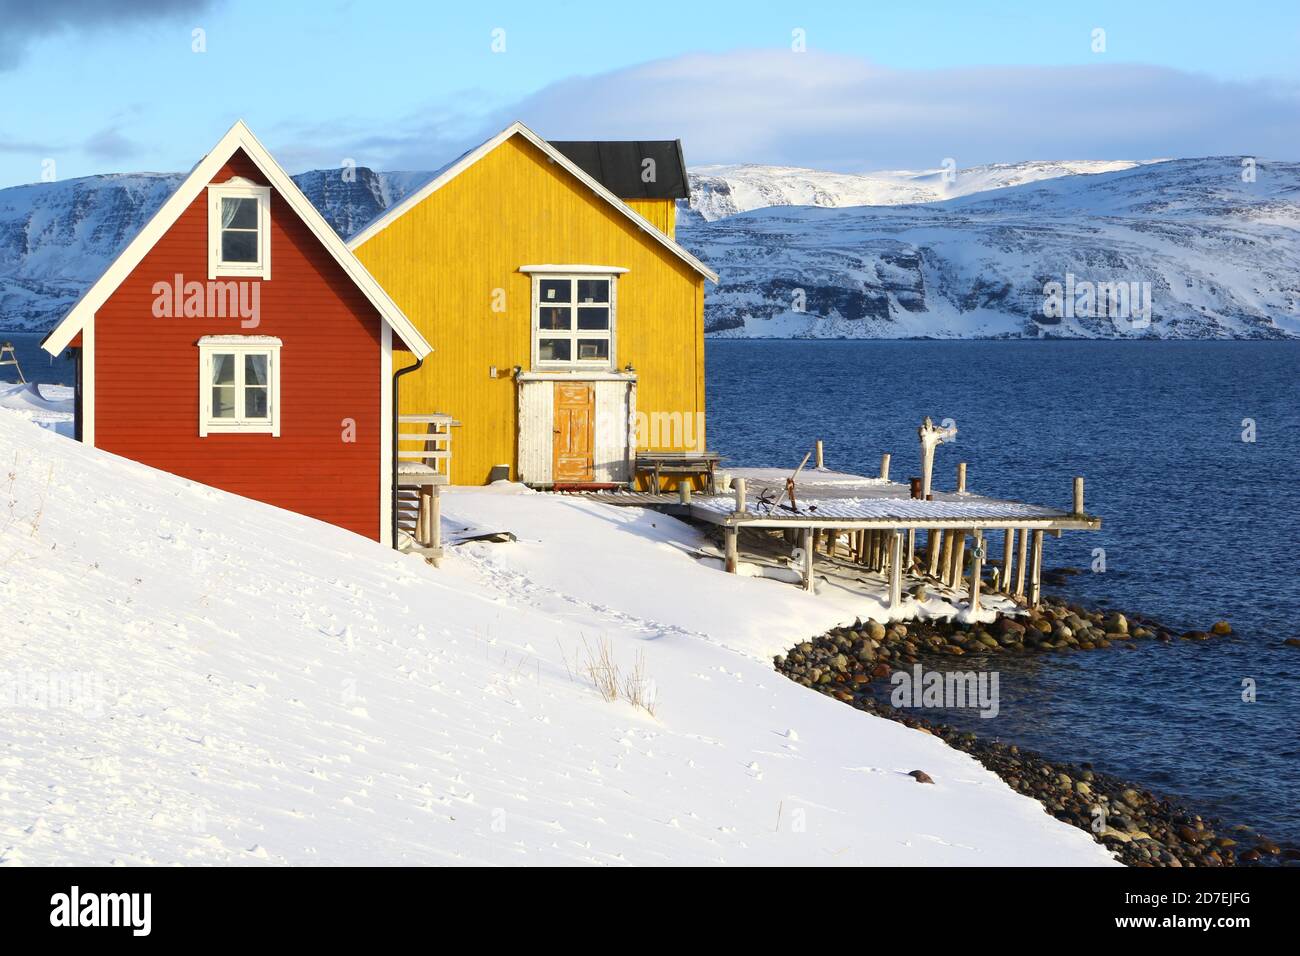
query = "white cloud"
x=841 y=112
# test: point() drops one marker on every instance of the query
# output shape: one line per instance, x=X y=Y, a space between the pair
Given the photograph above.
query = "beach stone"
x=1117 y=623
x=919 y=592
x=1221 y=628
x=921 y=776
x=875 y=630
x=1292 y=641
x=1195 y=636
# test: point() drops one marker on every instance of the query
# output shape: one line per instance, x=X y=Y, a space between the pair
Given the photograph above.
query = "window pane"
x=554 y=317
x=255 y=401
x=223 y=401
x=238 y=246
x=238 y=213
x=223 y=369
x=591 y=350
x=254 y=369
x=553 y=350
x=555 y=290
x=593 y=318
x=593 y=290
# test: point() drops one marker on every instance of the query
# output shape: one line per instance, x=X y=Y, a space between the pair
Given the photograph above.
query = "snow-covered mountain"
x=721 y=191
x=1215 y=256
x=803 y=253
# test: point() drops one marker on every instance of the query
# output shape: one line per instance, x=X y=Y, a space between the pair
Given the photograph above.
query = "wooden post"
x=958 y=557
x=820 y=460
x=422 y=516
x=938 y=553
x=684 y=492
x=911 y=547
x=1020 y=562
x=807 y=559
x=896 y=569
x=884 y=466
x=1036 y=571
x=976 y=570
x=738 y=484
x=435 y=524
x=731 y=533
x=1078 y=496
x=1008 y=546
x=961 y=477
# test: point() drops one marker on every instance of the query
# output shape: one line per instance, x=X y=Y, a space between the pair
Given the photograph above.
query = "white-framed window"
x=239 y=229
x=239 y=384
x=574 y=318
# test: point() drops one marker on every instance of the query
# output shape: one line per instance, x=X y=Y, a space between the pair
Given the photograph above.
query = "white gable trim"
x=473 y=156
x=88 y=384
x=238 y=137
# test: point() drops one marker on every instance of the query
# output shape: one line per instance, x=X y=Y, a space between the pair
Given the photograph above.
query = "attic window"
x=239 y=227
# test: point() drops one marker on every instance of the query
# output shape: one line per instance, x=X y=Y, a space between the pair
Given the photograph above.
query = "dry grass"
x=600 y=667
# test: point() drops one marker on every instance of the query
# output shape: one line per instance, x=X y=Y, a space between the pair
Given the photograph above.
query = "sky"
x=134 y=85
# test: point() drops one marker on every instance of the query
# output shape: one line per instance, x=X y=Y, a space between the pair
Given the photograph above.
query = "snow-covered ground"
x=50 y=406
x=191 y=677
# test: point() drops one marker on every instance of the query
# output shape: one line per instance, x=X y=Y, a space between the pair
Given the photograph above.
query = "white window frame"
x=239 y=188
x=541 y=274
x=239 y=346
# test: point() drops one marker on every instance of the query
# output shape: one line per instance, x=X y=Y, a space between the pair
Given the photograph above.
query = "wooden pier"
x=903 y=531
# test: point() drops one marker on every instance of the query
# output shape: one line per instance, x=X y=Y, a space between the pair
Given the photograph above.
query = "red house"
x=237 y=342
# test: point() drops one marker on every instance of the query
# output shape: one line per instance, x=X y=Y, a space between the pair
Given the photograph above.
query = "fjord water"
x=37 y=364
x=1198 y=525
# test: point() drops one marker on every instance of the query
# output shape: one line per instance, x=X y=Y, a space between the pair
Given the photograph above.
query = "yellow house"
x=567 y=323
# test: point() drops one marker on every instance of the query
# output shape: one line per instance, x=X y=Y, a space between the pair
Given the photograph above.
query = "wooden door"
x=575 y=431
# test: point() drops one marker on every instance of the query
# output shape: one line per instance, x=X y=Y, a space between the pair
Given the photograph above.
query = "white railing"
x=421 y=473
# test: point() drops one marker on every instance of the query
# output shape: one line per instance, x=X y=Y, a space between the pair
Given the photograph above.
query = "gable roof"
x=238 y=137
x=617 y=165
x=451 y=171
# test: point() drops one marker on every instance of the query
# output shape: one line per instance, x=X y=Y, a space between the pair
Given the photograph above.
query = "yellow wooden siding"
x=451 y=257
x=661 y=212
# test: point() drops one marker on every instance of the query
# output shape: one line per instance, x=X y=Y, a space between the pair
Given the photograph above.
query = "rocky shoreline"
x=1139 y=827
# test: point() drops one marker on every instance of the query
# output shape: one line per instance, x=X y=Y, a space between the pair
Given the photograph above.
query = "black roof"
x=617 y=165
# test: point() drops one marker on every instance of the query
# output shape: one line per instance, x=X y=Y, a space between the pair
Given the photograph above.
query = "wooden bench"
x=690 y=464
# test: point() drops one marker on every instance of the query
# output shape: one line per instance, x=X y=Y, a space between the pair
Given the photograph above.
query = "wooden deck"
x=874 y=523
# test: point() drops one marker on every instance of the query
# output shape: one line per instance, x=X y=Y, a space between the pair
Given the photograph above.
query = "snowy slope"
x=721 y=191
x=244 y=685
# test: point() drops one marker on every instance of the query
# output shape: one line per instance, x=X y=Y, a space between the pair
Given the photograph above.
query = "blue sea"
x=37 y=365
x=1198 y=525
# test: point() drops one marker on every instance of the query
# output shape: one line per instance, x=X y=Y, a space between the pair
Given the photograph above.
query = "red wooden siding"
x=146 y=374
